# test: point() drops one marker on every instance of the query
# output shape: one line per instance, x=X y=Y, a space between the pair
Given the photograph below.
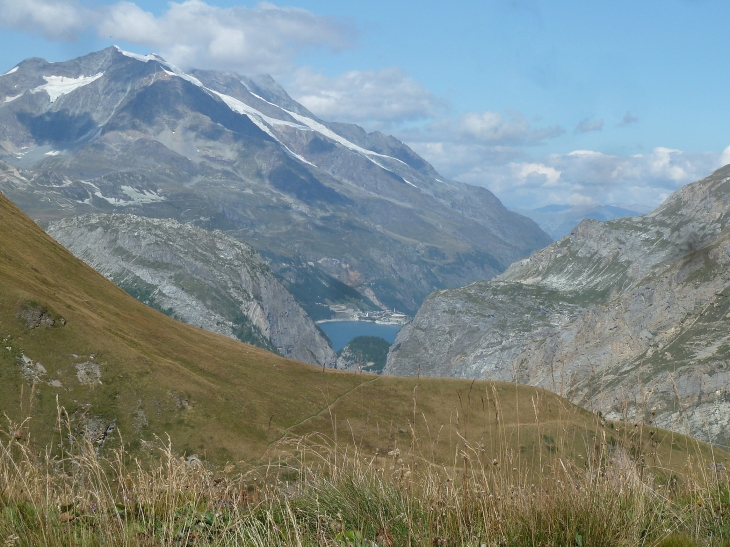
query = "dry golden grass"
x=320 y=492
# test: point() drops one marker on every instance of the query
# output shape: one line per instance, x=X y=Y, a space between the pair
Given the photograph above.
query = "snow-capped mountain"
x=119 y=132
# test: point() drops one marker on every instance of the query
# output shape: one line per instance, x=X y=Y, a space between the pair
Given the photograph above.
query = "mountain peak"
x=115 y=131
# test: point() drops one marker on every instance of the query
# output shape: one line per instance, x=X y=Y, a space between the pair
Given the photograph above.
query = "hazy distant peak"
x=559 y=219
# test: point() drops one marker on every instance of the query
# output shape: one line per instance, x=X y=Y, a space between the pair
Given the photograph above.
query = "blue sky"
x=540 y=101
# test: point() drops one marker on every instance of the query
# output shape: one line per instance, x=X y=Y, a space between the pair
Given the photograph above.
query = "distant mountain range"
x=559 y=220
x=629 y=317
x=341 y=215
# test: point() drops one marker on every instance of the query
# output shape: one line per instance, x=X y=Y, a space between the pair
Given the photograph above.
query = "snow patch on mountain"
x=324 y=130
x=10 y=71
x=58 y=86
x=10 y=99
x=391 y=171
x=138 y=57
x=135 y=197
x=242 y=108
x=261 y=120
x=327 y=132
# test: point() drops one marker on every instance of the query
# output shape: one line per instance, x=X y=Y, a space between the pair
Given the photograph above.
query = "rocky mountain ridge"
x=119 y=132
x=206 y=279
x=628 y=317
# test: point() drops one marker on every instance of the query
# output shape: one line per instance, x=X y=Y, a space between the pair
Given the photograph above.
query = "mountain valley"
x=77 y=346
x=220 y=201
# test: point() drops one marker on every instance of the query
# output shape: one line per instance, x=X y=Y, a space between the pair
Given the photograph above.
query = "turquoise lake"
x=341 y=332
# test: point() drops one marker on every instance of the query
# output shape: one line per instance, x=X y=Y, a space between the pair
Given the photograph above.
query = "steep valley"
x=126 y=372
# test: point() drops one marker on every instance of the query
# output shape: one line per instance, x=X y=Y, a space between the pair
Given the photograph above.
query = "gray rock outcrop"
x=204 y=278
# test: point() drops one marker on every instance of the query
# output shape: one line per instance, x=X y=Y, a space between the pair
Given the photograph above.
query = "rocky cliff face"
x=630 y=317
x=115 y=132
x=207 y=279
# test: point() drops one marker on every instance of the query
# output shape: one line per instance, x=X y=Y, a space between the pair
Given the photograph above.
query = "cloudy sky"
x=554 y=101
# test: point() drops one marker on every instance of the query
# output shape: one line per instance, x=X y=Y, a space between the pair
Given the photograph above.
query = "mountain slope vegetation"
x=368 y=353
x=207 y=279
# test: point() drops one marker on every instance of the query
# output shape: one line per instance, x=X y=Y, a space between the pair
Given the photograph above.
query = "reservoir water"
x=341 y=332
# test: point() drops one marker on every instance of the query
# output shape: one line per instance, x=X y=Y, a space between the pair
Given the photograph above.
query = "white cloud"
x=490 y=128
x=662 y=170
x=56 y=20
x=363 y=96
x=459 y=158
x=487 y=149
x=483 y=148
x=578 y=177
x=663 y=163
x=725 y=157
x=541 y=174
x=127 y=21
x=584 y=153
x=264 y=38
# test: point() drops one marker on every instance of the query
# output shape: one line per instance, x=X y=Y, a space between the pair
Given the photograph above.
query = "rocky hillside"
x=630 y=317
x=118 y=132
x=207 y=279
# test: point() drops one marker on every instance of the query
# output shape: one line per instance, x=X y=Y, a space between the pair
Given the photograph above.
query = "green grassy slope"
x=115 y=363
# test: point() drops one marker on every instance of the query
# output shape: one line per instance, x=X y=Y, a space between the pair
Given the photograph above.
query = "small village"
x=385 y=317
x=380 y=317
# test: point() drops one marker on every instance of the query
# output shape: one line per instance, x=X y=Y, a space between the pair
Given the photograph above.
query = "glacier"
x=58 y=86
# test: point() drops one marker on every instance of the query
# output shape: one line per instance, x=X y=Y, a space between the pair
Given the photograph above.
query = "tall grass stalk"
x=315 y=491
